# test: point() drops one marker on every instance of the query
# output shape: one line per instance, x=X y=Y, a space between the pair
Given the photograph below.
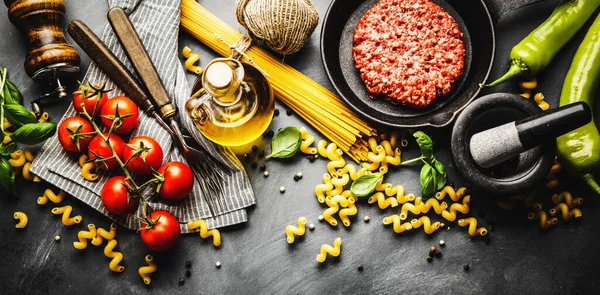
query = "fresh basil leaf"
x=286 y=142
x=18 y=115
x=34 y=133
x=8 y=149
x=425 y=144
x=428 y=180
x=7 y=176
x=12 y=95
x=365 y=184
x=442 y=175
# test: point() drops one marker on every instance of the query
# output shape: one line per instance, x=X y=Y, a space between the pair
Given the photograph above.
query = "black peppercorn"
x=253 y=165
x=466 y=266
x=360 y=268
x=429 y=258
x=181 y=281
x=296 y=177
x=276 y=112
x=438 y=253
x=288 y=112
x=261 y=154
x=254 y=148
x=188 y=273
x=188 y=264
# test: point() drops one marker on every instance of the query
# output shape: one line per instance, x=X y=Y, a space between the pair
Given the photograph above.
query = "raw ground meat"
x=408 y=51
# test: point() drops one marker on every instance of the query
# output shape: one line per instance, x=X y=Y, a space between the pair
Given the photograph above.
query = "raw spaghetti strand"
x=314 y=103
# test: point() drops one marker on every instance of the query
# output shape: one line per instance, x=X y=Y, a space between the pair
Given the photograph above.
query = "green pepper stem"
x=517 y=68
x=591 y=182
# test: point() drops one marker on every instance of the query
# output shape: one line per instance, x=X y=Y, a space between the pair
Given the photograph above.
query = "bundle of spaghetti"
x=313 y=102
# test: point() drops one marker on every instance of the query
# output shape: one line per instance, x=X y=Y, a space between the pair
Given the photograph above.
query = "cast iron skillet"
x=475 y=19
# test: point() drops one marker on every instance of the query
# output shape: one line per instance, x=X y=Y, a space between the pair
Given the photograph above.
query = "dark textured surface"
x=520 y=258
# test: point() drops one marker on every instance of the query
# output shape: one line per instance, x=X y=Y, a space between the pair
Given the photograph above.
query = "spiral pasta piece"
x=431 y=203
x=394 y=159
x=102 y=234
x=27 y=175
x=529 y=84
x=117 y=257
x=66 y=215
x=350 y=211
x=545 y=222
x=191 y=59
x=29 y=157
x=567 y=198
x=463 y=208
x=382 y=201
x=449 y=191
x=333 y=166
x=17 y=159
x=205 y=232
x=398 y=191
x=87 y=171
x=530 y=201
x=566 y=214
x=424 y=221
x=83 y=236
x=329 y=151
x=552 y=180
x=327 y=249
x=307 y=141
x=291 y=231
x=472 y=223
x=398 y=226
x=326 y=187
x=146 y=270
x=22 y=218
x=409 y=207
x=338 y=184
x=334 y=206
x=539 y=99
x=44 y=117
x=49 y=195
x=526 y=93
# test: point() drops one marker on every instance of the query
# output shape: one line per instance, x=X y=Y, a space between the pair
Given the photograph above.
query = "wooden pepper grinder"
x=49 y=55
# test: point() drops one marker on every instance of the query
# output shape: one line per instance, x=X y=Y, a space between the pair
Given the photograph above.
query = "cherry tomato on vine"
x=176 y=180
x=95 y=98
x=116 y=198
x=161 y=232
x=75 y=134
x=123 y=107
x=98 y=147
x=149 y=155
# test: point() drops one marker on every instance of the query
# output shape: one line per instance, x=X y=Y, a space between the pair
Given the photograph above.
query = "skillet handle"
x=135 y=50
x=109 y=63
x=498 y=8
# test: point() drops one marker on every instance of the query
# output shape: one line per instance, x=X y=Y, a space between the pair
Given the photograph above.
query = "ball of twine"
x=282 y=25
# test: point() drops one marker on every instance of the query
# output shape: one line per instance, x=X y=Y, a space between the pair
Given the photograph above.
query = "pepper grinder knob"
x=498 y=144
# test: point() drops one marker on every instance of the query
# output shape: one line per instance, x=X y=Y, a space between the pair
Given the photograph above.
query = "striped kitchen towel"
x=157 y=22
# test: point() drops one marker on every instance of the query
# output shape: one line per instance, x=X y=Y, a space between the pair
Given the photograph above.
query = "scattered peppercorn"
x=432 y=249
x=181 y=281
x=261 y=154
x=466 y=266
x=296 y=178
x=299 y=174
x=218 y=264
x=246 y=156
x=282 y=189
x=188 y=273
x=263 y=167
x=254 y=148
x=438 y=253
x=311 y=226
x=288 y=112
x=442 y=243
x=320 y=217
x=253 y=165
x=266 y=173
x=268 y=133
x=276 y=112
x=366 y=218
x=429 y=258
x=448 y=229
x=188 y=264
x=57 y=238
x=360 y=268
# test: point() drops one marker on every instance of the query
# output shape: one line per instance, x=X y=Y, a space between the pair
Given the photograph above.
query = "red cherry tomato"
x=75 y=134
x=178 y=180
x=125 y=107
x=163 y=234
x=99 y=147
x=115 y=197
x=94 y=100
x=149 y=159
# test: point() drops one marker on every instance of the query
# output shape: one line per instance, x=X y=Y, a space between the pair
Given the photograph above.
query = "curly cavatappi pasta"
x=43 y=117
x=146 y=270
x=463 y=208
x=334 y=204
x=329 y=151
x=27 y=175
x=102 y=234
x=326 y=187
x=473 y=230
x=424 y=221
x=382 y=201
x=539 y=99
x=552 y=180
x=205 y=232
x=66 y=215
x=29 y=156
x=116 y=257
x=307 y=141
x=327 y=249
x=291 y=231
x=566 y=214
x=409 y=207
x=334 y=165
x=530 y=202
x=351 y=171
x=350 y=211
x=567 y=198
x=526 y=94
x=49 y=195
x=431 y=203
x=192 y=58
x=17 y=159
x=22 y=218
x=529 y=84
x=449 y=191
x=398 y=226
x=338 y=184
x=545 y=222
x=88 y=169
x=398 y=192
x=83 y=236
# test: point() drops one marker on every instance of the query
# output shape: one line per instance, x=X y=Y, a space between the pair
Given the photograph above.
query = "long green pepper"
x=536 y=51
x=579 y=150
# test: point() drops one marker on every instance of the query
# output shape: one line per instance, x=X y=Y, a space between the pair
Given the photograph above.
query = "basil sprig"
x=18 y=115
x=7 y=176
x=433 y=173
x=365 y=184
x=286 y=142
x=34 y=133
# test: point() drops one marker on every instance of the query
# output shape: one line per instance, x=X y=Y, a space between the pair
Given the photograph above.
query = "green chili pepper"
x=537 y=50
x=579 y=150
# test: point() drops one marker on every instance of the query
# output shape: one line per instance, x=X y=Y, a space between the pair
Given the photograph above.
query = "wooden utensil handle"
x=109 y=63
x=40 y=21
x=135 y=50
